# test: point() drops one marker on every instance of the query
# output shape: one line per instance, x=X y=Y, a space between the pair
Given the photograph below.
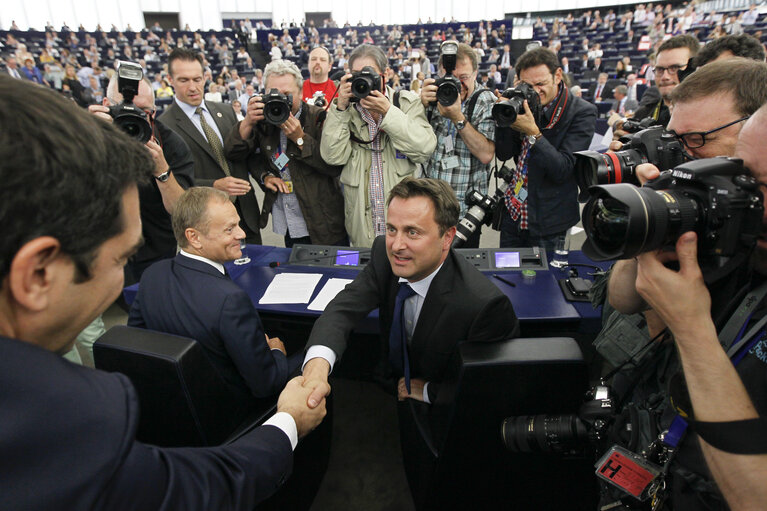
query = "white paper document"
x=290 y=288
x=328 y=292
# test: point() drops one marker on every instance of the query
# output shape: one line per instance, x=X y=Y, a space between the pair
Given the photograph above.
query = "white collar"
x=218 y=266
x=189 y=110
x=422 y=286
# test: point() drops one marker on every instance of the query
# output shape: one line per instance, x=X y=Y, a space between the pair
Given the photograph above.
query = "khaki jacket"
x=408 y=139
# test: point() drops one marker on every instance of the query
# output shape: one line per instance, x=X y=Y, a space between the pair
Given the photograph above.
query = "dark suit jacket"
x=607 y=91
x=315 y=182
x=187 y=297
x=552 y=203
x=207 y=169
x=461 y=305
x=68 y=441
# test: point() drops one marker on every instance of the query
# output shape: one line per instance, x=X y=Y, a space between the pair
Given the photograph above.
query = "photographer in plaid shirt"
x=542 y=200
x=465 y=146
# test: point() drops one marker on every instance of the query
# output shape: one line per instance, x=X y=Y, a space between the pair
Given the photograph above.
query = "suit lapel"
x=185 y=125
x=218 y=118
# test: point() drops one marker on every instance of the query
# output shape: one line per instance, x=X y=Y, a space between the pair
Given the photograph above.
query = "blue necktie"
x=398 y=336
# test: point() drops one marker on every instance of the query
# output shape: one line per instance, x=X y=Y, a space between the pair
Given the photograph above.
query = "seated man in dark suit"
x=67 y=432
x=446 y=299
x=191 y=295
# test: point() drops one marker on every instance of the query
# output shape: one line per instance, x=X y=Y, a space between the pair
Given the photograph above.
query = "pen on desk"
x=510 y=283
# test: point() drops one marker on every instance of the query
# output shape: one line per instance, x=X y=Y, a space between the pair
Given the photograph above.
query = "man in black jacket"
x=174 y=173
x=303 y=194
x=541 y=201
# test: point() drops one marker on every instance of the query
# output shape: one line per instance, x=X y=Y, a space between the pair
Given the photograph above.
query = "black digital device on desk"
x=328 y=256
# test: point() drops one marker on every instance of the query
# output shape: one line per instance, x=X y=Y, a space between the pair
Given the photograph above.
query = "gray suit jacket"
x=207 y=169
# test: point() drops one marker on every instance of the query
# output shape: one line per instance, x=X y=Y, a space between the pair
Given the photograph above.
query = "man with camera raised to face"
x=302 y=190
x=541 y=202
x=378 y=139
x=716 y=112
x=465 y=129
x=174 y=169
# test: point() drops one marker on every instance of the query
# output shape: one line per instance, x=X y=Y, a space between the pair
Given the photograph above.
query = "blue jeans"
x=513 y=236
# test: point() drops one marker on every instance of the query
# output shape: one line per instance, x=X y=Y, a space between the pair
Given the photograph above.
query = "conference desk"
x=538 y=302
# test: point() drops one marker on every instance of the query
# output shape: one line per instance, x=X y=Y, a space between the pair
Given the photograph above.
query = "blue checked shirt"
x=287 y=217
x=470 y=174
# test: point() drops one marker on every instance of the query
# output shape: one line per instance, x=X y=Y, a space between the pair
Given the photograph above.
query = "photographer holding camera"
x=542 y=199
x=378 y=136
x=710 y=108
x=459 y=112
x=174 y=166
x=302 y=191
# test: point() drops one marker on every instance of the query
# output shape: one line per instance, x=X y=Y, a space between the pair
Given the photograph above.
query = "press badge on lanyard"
x=281 y=160
x=449 y=162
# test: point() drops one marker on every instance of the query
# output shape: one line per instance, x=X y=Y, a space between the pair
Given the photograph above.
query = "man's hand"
x=160 y=165
x=255 y=111
x=292 y=128
x=100 y=111
x=646 y=172
x=376 y=103
x=316 y=373
x=232 y=185
x=275 y=184
x=680 y=298
x=526 y=123
x=416 y=389
x=616 y=145
x=293 y=400
x=275 y=344
x=452 y=112
x=428 y=92
x=344 y=92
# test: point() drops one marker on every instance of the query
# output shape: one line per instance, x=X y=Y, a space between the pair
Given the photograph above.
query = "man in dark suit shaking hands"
x=69 y=429
x=204 y=125
x=191 y=295
x=429 y=297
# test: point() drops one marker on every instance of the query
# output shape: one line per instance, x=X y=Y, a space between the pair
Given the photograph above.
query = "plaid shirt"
x=470 y=174
x=376 y=184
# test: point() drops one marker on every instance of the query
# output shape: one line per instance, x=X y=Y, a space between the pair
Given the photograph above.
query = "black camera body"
x=567 y=434
x=483 y=209
x=364 y=82
x=652 y=145
x=505 y=112
x=129 y=118
x=448 y=87
x=318 y=100
x=715 y=197
x=277 y=107
x=637 y=125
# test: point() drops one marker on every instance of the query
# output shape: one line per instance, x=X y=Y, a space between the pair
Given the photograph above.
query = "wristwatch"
x=532 y=139
x=460 y=125
x=163 y=177
x=300 y=142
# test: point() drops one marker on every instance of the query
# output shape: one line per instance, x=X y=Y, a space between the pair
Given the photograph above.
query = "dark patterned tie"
x=213 y=141
x=398 y=336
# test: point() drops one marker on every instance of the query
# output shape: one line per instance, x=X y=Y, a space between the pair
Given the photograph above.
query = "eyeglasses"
x=696 y=139
x=673 y=69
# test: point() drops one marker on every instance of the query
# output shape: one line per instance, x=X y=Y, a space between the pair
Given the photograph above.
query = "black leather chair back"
x=453 y=450
x=183 y=400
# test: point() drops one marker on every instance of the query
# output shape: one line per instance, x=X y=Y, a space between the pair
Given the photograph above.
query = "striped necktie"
x=213 y=141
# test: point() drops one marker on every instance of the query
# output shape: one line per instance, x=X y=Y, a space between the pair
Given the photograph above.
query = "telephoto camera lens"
x=448 y=90
x=364 y=82
x=560 y=434
x=277 y=107
x=132 y=121
x=505 y=112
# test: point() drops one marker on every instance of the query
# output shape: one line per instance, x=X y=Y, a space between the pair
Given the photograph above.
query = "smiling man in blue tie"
x=429 y=297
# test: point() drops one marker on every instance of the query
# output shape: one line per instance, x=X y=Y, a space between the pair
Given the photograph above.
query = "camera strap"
x=736 y=325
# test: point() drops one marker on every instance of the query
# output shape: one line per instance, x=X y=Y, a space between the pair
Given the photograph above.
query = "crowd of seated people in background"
x=612 y=60
x=620 y=44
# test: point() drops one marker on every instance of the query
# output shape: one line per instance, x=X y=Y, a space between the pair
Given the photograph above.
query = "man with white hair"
x=302 y=191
